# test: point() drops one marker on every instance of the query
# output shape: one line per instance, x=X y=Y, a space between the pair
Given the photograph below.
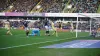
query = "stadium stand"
x=25 y=6
x=88 y=6
x=4 y=4
x=50 y=6
x=54 y=6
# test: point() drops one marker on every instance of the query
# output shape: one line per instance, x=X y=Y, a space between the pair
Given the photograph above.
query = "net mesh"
x=88 y=26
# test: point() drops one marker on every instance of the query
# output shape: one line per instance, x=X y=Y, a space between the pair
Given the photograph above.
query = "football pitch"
x=20 y=45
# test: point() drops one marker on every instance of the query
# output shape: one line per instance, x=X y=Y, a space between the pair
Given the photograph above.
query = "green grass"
x=19 y=38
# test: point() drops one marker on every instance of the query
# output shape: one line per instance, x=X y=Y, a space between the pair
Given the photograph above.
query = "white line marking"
x=34 y=43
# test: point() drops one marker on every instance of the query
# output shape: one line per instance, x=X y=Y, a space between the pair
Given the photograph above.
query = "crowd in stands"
x=85 y=6
x=27 y=5
x=1 y=23
x=64 y=2
x=86 y=26
x=36 y=24
x=24 y=5
x=40 y=24
x=17 y=23
x=4 y=4
x=51 y=6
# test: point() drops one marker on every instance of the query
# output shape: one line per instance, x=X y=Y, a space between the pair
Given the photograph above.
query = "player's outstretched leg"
x=55 y=32
x=27 y=33
x=32 y=34
x=9 y=32
x=38 y=33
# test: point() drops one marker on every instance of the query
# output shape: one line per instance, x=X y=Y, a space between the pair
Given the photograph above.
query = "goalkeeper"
x=35 y=31
x=94 y=33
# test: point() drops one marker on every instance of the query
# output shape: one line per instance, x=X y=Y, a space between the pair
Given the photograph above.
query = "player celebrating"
x=54 y=29
x=7 y=26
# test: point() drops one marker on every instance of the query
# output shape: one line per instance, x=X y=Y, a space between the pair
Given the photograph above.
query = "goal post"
x=86 y=26
x=83 y=26
x=77 y=27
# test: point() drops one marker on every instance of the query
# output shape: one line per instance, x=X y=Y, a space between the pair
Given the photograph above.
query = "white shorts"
x=47 y=27
x=26 y=29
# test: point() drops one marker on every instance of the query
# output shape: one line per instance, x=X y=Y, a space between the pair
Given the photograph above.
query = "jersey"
x=52 y=25
x=46 y=23
x=7 y=25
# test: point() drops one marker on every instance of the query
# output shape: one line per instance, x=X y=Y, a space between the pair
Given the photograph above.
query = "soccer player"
x=47 y=27
x=94 y=33
x=54 y=29
x=98 y=32
x=7 y=26
x=26 y=28
x=60 y=25
x=27 y=31
x=72 y=27
x=35 y=31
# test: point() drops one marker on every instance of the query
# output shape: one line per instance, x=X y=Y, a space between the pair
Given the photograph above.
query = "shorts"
x=47 y=27
x=26 y=29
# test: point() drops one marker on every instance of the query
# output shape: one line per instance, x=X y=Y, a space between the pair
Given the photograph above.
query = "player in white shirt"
x=7 y=27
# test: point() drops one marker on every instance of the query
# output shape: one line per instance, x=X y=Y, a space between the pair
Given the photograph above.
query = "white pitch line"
x=33 y=44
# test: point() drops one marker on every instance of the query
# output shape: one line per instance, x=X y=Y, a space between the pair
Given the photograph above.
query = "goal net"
x=87 y=26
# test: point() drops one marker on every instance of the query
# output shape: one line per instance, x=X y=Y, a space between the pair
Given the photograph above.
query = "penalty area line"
x=34 y=43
